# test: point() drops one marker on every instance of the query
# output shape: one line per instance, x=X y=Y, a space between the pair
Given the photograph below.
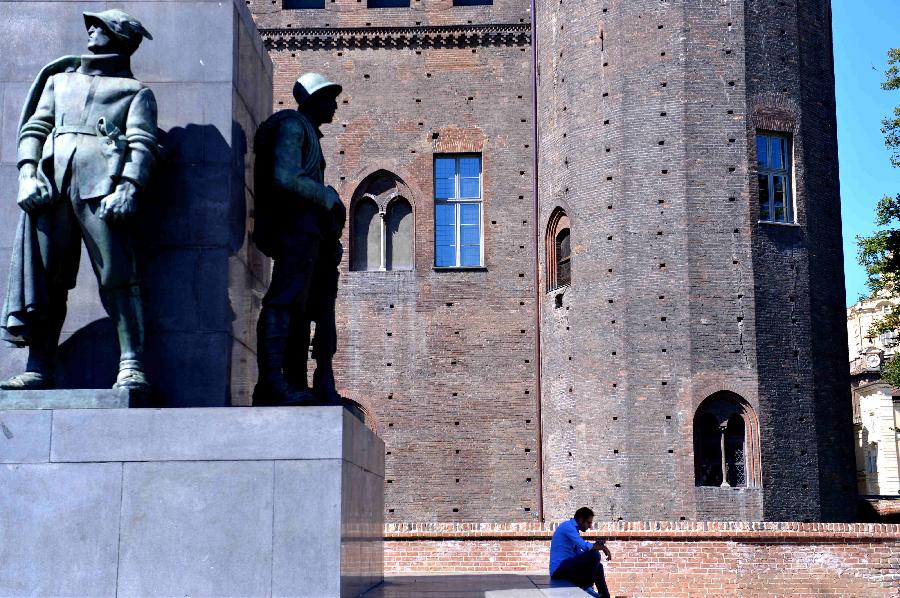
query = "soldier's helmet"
x=310 y=84
x=122 y=26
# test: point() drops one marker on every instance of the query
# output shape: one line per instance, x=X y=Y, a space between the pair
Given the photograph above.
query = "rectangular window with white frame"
x=773 y=158
x=458 y=235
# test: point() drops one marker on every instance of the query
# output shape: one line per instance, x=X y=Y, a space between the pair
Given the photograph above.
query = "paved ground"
x=473 y=586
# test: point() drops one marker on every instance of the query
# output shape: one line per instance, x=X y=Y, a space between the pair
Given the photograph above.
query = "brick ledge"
x=688 y=531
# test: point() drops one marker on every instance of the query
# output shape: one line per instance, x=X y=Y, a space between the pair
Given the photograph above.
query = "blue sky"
x=863 y=32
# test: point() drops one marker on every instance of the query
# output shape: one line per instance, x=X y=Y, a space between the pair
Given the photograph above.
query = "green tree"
x=879 y=253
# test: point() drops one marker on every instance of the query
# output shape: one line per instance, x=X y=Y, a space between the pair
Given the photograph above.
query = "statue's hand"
x=33 y=193
x=332 y=199
x=120 y=204
x=339 y=212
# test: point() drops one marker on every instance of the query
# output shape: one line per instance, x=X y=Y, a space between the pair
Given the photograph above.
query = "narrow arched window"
x=726 y=443
x=398 y=236
x=366 y=241
x=559 y=250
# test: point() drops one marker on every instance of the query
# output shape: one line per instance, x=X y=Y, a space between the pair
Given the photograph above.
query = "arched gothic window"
x=559 y=250
x=381 y=224
x=726 y=443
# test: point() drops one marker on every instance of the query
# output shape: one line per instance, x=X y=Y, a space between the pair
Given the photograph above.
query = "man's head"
x=317 y=97
x=584 y=519
x=114 y=32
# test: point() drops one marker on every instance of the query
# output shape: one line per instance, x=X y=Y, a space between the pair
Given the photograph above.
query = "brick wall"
x=668 y=559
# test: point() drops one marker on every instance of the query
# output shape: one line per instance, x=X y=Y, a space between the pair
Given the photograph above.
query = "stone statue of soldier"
x=86 y=145
x=298 y=223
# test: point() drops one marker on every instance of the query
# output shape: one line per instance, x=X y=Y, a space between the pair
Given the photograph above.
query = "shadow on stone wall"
x=191 y=222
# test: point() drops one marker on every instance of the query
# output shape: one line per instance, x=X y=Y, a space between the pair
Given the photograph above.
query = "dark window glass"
x=472 y=2
x=291 y=4
x=734 y=451
x=387 y=3
x=707 y=444
x=563 y=258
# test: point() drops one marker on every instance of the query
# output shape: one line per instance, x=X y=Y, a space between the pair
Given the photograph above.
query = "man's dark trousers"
x=584 y=570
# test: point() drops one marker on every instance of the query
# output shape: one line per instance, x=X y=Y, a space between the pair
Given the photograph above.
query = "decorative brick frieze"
x=434 y=36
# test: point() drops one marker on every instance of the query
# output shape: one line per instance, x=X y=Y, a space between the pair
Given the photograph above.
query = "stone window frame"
x=395 y=193
x=787 y=171
x=457 y=200
x=558 y=222
x=727 y=409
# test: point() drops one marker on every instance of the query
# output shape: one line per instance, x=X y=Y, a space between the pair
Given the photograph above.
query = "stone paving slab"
x=473 y=586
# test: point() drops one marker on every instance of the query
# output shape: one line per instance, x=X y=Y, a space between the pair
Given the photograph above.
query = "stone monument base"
x=189 y=502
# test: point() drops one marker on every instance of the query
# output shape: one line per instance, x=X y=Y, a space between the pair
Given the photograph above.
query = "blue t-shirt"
x=566 y=543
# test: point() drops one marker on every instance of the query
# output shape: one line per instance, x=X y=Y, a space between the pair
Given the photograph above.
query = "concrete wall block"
x=24 y=436
x=198 y=434
x=60 y=529
x=164 y=58
x=196 y=529
x=305 y=548
x=27 y=20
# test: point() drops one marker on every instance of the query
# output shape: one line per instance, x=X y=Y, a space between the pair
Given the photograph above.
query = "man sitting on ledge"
x=576 y=560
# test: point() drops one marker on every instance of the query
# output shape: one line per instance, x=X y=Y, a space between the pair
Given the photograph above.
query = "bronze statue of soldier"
x=298 y=223
x=86 y=146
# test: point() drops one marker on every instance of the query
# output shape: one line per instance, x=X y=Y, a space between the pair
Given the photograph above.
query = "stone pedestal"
x=189 y=502
x=201 y=278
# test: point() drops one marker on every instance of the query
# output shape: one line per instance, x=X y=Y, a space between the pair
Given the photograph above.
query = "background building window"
x=558 y=246
x=726 y=443
x=457 y=211
x=773 y=158
x=291 y=4
x=387 y=4
x=472 y=2
x=382 y=231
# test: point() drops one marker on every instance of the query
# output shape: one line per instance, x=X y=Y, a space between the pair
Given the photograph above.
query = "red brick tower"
x=694 y=365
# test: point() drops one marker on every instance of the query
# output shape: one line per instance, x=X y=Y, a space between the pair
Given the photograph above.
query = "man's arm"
x=140 y=154
x=140 y=134
x=290 y=143
x=601 y=546
x=576 y=540
x=38 y=127
x=32 y=192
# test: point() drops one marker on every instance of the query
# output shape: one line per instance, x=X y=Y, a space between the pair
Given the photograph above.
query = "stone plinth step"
x=67 y=399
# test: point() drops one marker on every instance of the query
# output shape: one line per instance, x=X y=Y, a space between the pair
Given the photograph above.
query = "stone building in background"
x=659 y=332
x=876 y=405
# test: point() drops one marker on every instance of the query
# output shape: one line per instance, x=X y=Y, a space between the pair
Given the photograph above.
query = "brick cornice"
x=433 y=36
x=779 y=532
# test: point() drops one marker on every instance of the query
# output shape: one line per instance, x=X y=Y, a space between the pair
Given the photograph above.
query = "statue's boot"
x=272 y=335
x=324 y=386
x=127 y=313
x=41 y=366
x=296 y=351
